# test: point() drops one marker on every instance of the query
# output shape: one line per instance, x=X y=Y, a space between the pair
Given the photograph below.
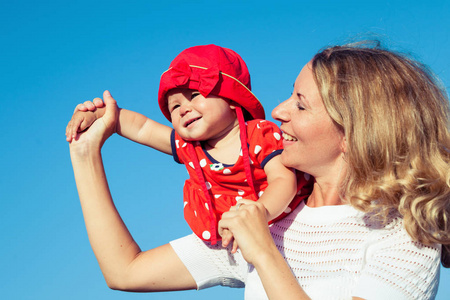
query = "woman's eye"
x=299 y=106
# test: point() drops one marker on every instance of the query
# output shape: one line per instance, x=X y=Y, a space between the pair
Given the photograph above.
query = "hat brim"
x=228 y=87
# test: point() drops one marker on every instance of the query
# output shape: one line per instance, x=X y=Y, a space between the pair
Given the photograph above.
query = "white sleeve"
x=211 y=265
x=398 y=268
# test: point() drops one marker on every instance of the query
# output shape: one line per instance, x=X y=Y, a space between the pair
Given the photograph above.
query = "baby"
x=219 y=133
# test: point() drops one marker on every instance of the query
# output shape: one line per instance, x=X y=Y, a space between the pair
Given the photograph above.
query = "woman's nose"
x=281 y=113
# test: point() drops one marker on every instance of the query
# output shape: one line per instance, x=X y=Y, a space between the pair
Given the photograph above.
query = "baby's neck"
x=225 y=149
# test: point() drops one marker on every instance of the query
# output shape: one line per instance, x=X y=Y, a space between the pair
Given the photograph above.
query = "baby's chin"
x=190 y=139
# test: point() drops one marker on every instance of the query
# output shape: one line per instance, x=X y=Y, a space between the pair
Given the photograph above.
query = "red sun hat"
x=212 y=70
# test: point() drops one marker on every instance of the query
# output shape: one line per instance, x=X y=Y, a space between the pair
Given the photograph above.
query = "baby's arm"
x=142 y=130
x=281 y=188
x=131 y=125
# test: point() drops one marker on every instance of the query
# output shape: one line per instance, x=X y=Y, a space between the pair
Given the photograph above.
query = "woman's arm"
x=123 y=264
x=250 y=230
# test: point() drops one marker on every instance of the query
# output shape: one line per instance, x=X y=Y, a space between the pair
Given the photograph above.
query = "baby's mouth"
x=288 y=137
x=191 y=121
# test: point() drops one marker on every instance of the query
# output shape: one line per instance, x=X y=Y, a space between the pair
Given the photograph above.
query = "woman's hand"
x=99 y=131
x=247 y=221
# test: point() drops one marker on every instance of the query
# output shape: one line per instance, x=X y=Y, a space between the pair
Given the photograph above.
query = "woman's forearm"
x=123 y=264
x=249 y=227
x=277 y=277
x=110 y=239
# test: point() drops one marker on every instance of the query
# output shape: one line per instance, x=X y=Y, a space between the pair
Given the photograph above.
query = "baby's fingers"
x=235 y=246
x=98 y=102
x=80 y=107
x=71 y=130
x=89 y=105
x=227 y=237
x=75 y=126
x=68 y=132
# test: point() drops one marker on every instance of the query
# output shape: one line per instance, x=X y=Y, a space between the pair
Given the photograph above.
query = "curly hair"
x=395 y=116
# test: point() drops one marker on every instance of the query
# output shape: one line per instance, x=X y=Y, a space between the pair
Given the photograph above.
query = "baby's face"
x=198 y=118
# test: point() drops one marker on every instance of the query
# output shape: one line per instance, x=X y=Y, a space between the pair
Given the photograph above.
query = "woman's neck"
x=327 y=189
x=323 y=196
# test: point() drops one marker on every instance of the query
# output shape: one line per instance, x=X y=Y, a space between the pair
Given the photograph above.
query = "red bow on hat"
x=207 y=79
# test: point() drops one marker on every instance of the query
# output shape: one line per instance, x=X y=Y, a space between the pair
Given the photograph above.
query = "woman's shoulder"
x=338 y=220
x=395 y=264
x=393 y=240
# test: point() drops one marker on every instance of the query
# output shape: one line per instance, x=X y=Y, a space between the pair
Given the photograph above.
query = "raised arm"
x=142 y=130
x=123 y=264
x=131 y=125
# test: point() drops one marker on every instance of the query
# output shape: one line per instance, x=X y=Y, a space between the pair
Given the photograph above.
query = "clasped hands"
x=247 y=221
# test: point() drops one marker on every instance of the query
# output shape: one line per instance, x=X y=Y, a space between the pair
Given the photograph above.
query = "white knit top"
x=335 y=252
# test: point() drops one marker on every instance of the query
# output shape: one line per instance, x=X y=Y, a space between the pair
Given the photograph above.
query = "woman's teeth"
x=288 y=137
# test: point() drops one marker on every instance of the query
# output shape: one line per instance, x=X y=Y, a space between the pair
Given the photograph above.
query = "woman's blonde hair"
x=395 y=115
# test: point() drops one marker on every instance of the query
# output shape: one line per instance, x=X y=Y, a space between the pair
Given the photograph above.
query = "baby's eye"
x=194 y=94
x=171 y=109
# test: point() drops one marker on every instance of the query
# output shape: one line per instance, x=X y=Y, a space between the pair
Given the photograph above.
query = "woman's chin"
x=286 y=161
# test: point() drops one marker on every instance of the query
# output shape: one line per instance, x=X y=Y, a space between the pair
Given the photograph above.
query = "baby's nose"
x=184 y=109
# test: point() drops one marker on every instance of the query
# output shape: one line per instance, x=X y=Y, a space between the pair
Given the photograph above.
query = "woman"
x=372 y=127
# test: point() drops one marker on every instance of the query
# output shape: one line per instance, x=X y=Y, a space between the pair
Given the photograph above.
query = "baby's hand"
x=80 y=121
x=227 y=238
x=84 y=115
x=90 y=105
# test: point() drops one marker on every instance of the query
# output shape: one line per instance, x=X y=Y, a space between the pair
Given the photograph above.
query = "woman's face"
x=312 y=142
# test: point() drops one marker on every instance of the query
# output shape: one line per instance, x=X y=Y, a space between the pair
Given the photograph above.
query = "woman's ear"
x=232 y=105
x=344 y=144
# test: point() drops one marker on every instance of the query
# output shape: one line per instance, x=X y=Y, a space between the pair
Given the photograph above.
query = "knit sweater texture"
x=335 y=252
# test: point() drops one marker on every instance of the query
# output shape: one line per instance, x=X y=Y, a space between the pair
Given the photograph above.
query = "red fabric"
x=214 y=70
x=207 y=79
x=226 y=184
x=212 y=236
x=244 y=148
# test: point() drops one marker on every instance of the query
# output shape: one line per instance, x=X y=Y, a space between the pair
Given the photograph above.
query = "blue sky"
x=55 y=54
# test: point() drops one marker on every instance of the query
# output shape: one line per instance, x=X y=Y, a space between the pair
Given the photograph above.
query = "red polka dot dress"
x=227 y=183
